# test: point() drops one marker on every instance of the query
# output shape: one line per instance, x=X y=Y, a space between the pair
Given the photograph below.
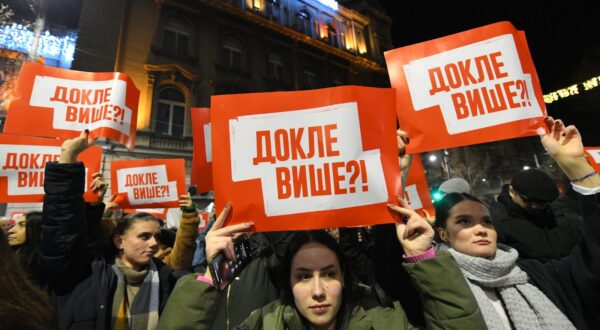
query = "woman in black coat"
x=125 y=288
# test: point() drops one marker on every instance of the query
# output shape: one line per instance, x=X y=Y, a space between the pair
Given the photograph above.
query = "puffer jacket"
x=81 y=282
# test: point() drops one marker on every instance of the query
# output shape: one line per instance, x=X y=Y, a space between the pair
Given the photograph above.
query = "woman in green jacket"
x=318 y=292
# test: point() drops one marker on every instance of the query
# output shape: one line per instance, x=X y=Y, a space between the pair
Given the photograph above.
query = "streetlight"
x=432 y=158
x=525 y=168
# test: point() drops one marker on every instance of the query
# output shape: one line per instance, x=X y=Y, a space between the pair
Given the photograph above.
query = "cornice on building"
x=279 y=28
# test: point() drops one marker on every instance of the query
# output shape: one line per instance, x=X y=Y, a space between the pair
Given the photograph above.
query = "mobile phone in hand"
x=223 y=270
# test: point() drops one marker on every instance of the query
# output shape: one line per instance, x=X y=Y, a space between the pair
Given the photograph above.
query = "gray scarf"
x=527 y=306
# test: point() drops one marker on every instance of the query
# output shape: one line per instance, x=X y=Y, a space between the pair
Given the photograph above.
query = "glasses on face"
x=533 y=204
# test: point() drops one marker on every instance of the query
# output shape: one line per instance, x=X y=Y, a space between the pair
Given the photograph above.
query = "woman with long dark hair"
x=515 y=293
x=22 y=304
x=24 y=238
x=318 y=291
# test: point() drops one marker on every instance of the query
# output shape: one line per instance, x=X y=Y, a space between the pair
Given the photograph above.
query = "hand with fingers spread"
x=416 y=234
x=99 y=185
x=220 y=239
x=71 y=148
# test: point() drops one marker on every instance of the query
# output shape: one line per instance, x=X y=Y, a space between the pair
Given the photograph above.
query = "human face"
x=469 y=230
x=138 y=244
x=531 y=207
x=316 y=280
x=16 y=234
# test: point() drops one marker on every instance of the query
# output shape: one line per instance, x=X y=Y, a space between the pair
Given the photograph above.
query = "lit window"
x=332 y=35
x=170 y=113
x=275 y=66
x=232 y=53
x=176 y=38
x=303 y=21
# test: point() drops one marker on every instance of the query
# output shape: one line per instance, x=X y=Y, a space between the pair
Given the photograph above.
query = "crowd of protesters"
x=524 y=262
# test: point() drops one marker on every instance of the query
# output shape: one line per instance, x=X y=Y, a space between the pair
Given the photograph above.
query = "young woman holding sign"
x=319 y=293
x=527 y=294
x=127 y=288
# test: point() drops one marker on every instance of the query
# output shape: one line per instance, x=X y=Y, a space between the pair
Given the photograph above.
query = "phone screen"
x=224 y=271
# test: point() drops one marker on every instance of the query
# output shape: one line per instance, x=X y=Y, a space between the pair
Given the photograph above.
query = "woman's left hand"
x=416 y=234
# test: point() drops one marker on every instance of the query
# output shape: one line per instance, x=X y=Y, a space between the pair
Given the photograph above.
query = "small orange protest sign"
x=62 y=103
x=22 y=163
x=467 y=88
x=593 y=156
x=307 y=159
x=148 y=183
x=416 y=189
x=202 y=162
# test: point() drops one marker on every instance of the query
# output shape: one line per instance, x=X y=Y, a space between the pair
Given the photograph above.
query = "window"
x=332 y=35
x=338 y=76
x=275 y=66
x=176 y=38
x=170 y=113
x=303 y=21
x=232 y=53
x=273 y=9
x=310 y=77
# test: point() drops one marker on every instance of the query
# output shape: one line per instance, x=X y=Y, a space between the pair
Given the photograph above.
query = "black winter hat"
x=535 y=186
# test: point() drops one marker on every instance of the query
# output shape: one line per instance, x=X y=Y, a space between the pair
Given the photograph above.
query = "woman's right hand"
x=71 y=148
x=219 y=239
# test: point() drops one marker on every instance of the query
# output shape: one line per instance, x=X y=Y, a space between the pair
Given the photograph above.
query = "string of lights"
x=571 y=90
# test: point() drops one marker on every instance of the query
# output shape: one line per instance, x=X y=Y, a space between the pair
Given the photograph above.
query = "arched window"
x=332 y=35
x=303 y=20
x=170 y=114
x=275 y=66
x=232 y=53
x=176 y=38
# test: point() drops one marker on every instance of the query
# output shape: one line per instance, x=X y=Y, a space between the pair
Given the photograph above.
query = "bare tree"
x=6 y=13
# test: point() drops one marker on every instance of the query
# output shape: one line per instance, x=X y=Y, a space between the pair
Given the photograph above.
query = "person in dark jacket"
x=525 y=220
x=127 y=288
x=518 y=293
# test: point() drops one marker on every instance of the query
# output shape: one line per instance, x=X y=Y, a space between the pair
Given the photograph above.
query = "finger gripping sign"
x=22 y=163
x=306 y=160
x=150 y=183
x=57 y=102
x=472 y=87
x=593 y=156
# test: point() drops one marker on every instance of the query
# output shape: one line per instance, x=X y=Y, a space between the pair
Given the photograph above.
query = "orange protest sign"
x=416 y=188
x=159 y=213
x=467 y=88
x=22 y=163
x=306 y=159
x=148 y=183
x=593 y=156
x=62 y=103
x=202 y=162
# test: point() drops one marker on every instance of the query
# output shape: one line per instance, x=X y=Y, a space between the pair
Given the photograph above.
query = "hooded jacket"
x=549 y=236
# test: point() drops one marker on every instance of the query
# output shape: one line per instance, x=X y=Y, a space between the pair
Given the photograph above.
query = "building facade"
x=181 y=52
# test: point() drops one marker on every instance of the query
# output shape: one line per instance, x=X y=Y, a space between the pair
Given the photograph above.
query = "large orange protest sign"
x=62 y=103
x=148 y=183
x=307 y=159
x=467 y=88
x=593 y=154
x=22 y=163
x=202 y=162
x=416 y=188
